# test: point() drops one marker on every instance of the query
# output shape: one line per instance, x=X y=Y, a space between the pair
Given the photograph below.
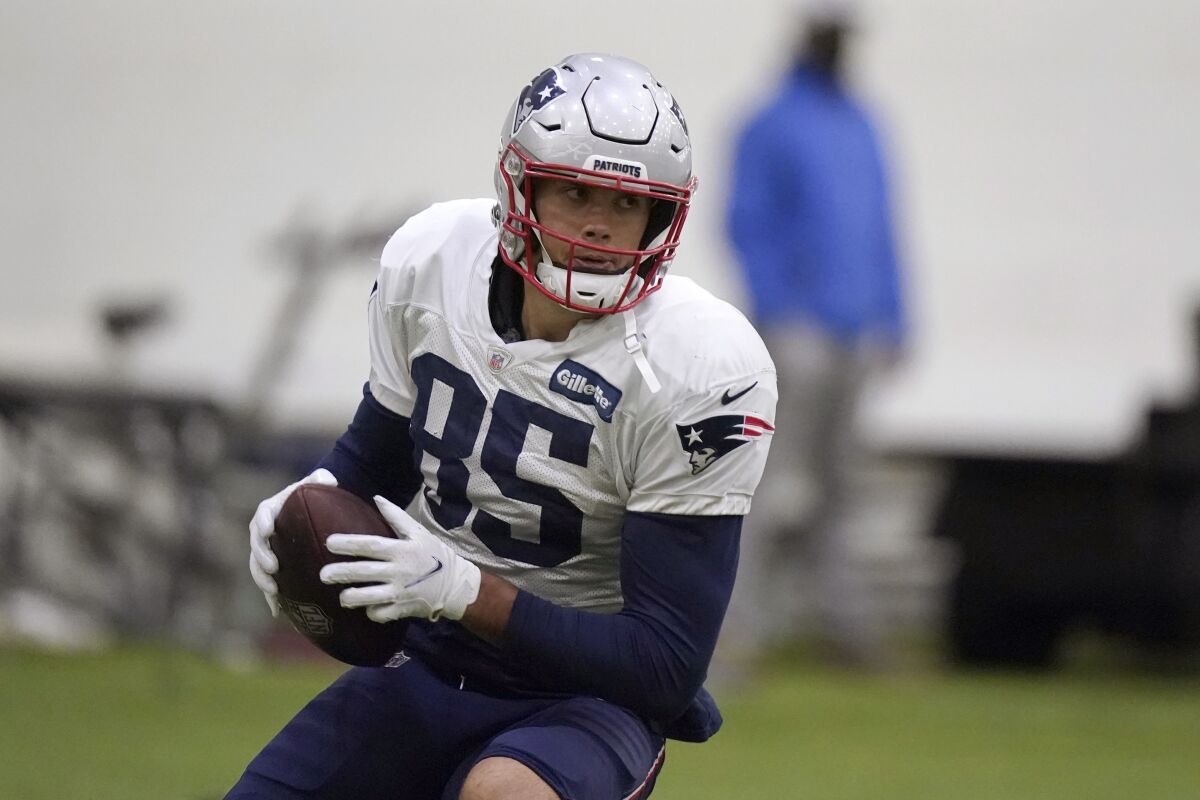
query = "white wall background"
x=1045 y=150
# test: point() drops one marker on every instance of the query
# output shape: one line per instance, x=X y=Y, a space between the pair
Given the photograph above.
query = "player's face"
x=604 y=217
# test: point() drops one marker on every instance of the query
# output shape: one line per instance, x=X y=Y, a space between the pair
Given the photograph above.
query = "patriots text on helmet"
x=632 y=170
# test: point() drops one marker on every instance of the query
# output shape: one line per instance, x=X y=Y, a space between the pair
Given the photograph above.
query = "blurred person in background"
x=809 y=218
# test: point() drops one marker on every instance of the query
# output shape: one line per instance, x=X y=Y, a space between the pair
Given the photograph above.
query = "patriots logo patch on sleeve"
x=709 y=439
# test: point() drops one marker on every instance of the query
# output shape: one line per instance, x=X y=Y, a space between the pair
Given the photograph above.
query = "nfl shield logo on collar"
x=398 y=660
x=498 y=358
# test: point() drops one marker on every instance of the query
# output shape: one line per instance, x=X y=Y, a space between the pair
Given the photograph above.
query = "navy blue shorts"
x=405 y=732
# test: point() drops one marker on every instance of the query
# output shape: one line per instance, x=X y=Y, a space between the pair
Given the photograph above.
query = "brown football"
x=311 y=513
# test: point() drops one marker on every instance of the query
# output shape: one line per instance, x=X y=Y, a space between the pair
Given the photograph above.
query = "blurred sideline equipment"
x=112 y=517
x=1049 y=546
x=311 y=254
x=307 y=517
x=122 y=491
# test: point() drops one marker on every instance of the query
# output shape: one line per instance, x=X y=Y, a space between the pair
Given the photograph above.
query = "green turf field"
x=148 y=723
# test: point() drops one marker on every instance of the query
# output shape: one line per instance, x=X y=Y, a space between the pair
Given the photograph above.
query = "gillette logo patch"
x=630 y=169
x=576 y=382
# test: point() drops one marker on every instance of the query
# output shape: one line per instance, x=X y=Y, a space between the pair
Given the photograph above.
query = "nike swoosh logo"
x=728 y=398
x=427 y=575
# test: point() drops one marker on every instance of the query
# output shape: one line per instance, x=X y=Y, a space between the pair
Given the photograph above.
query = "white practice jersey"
x=532 y=452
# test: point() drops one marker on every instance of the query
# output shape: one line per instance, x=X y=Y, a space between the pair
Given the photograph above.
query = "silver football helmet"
x=603 y=121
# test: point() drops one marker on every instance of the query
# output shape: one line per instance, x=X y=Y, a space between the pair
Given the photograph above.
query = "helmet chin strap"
x=632 y=341
x=633 y=346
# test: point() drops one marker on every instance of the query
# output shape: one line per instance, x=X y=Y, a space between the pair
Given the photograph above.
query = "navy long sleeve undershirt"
x=375 y=454
x=676 y=571
x=676 y=576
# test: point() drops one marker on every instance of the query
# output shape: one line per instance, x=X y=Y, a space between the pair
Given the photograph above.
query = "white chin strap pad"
x=587 y=289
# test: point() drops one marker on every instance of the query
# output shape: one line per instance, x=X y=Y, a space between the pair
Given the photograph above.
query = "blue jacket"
x=809 y=214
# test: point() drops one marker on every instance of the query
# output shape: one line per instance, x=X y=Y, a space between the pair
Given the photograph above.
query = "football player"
x=565 y=440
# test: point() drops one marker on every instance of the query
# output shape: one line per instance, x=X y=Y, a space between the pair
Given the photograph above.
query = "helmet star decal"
x=709 y=439
x=540 y=91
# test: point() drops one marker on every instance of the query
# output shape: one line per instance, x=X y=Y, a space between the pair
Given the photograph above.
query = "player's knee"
x=504 y=779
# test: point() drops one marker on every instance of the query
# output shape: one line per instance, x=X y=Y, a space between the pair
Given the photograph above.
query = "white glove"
x=416 y=575
x=263 y=563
